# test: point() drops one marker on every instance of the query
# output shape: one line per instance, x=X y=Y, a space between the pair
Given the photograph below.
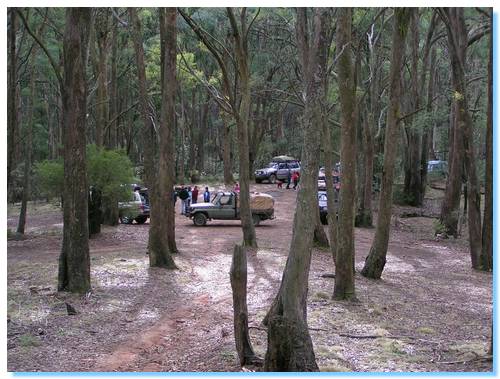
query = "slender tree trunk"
x=28 y=148
x=74 y=261
x=241 y=116
x=365 y=214
x=457 y=46
x=201 y=137
x=375 y=261
x=12 y=98
x=102 y=108
x=226 y=150
x=238 y=276
x=320 y=239
x=487 y=233
x=113 y=90
x=344 y=272
x=289 y=343
x=162 y=226
x=413 y=184
x=331 y=193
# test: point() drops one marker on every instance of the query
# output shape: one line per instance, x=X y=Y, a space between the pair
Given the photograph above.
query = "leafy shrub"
x=107 y=170
x=439 y=228
x=50 y=178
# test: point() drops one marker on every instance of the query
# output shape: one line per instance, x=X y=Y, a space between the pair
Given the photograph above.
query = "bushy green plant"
x=50 y=177
x=439 y=227
x=108 y=170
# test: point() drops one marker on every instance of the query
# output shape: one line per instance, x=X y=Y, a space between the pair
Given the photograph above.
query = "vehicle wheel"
x=141 y=219
x=200 y=219
x=258 y=181
x=125 y=220
x=272 y=179
x=256 y=220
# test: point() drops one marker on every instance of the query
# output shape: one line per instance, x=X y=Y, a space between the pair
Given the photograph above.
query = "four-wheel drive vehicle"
x=225 y=206
x=136 y=208
x=437 y=168
x=322 y=180
x=278 y=169
x=323 y=207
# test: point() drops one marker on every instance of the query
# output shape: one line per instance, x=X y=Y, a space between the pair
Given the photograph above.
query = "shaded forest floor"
x=430 y=311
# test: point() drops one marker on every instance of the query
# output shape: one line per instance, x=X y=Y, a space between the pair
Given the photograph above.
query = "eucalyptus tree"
x=458 y=41
x=289 y=343
x=236 y=97
x=159 y=177
x=344 y=263
x=376 y=259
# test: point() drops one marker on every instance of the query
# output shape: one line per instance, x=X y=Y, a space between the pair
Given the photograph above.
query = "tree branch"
x=49 y=56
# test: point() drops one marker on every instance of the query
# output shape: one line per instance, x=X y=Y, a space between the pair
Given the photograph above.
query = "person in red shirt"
x=295 y=179
x=194 y=194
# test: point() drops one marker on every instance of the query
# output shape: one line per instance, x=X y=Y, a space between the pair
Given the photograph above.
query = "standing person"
x=190 y=197
x=183 y=195
x=237 y=187
x=195 y=194
x=289 y=179
x=206 y=195
x=295 y=179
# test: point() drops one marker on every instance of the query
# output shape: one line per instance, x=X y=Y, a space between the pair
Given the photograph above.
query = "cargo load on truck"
x=260 y=201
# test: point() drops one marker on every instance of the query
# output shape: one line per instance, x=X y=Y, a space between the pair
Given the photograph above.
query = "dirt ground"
x=429 y=312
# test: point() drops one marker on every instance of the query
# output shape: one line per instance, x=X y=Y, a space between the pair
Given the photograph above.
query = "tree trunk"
x=12 y=99
x=457 y=46
x=320 y=239
x=202 y=129
x=162 y=223
x=226 y=150
x=413 y=185
x=375 y=261
x=289 y=343
x=364 y=217
x=238 y=277
x=344 y=271
x=241 y=117
x=74 y=261
x=28 y=147
x=113 y=90
x=331 y=193
x=487 y=233
x=102 y=109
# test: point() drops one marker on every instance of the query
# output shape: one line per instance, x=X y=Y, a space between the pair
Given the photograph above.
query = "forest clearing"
x=429 y=313
x=250 y=189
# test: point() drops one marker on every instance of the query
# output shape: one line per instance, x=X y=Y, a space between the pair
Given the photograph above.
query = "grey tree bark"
x=344 y=264
x=376 y=259
x=74 y=260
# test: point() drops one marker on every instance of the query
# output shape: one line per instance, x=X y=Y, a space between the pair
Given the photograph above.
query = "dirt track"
x=430 y=312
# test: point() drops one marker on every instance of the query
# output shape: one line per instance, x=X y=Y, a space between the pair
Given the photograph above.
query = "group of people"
x=189 y=196
x=292 y=178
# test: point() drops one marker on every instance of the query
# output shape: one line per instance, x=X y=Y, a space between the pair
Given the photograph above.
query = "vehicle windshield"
x=272 y=165
x=216 y=198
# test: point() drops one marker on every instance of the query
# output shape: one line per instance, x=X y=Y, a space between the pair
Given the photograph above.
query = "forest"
x=250 y=189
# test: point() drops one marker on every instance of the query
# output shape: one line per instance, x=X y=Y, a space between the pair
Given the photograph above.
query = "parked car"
x=136 y=208
x=323 y=205
x=278 y=169
x=225 y=206
x=322 y=180
x=437 y=168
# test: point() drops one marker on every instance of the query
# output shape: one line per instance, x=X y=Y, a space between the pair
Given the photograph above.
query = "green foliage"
x=108 y=170
x=50 y=177
x=439 y=227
